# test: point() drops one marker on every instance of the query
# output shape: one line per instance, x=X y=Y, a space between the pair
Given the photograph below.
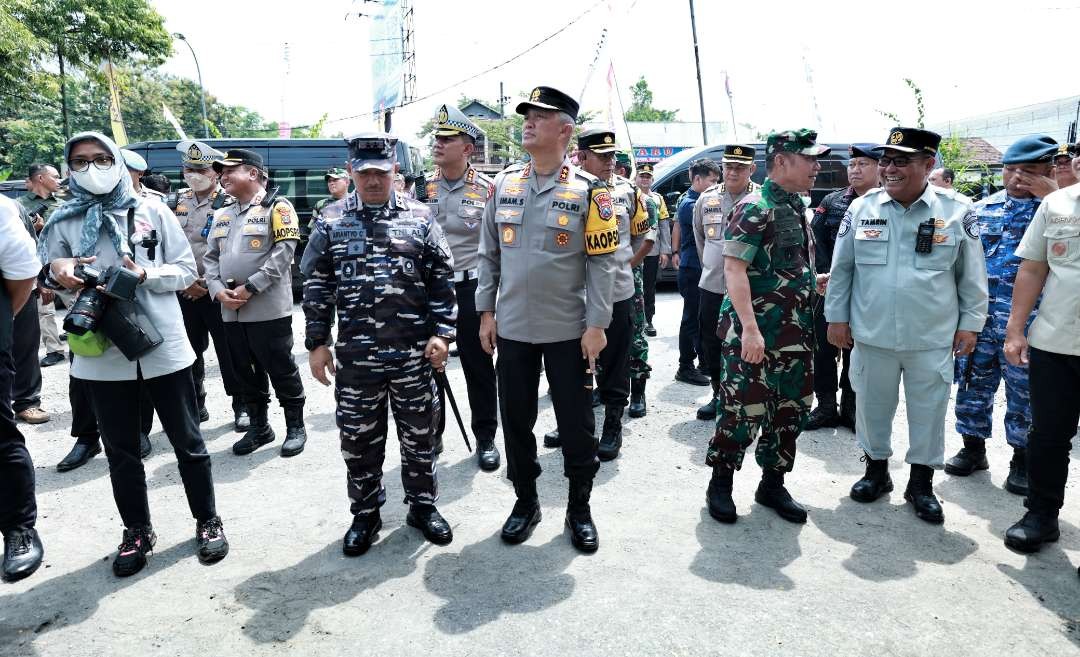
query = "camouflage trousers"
x=639 y=345
x=771 y=398
x=361 y=393
x=975 y=396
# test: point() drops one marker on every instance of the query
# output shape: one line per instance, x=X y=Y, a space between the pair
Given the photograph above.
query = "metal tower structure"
x=408 y=51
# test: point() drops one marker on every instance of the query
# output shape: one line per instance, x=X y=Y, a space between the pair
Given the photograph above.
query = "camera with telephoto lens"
x=86 y=312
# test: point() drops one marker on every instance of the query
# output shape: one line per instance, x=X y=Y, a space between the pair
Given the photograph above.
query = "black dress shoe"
x=522 y=521
x=52 y=358
x=823 y=417
x=551 y=439
x=920 y=493
x=650 y=330
x=1017 y=481
x=1032 y=531
x=718 y=496
x=689 y=374
x=256 y=437
x=772 y=493
x=144 y=445
x=427 y=519
x=78 y=456
x=23 y=553
x=971 y=457
x=583 y=534
x=361 y=534
x=204 y=414
x=487 y=454
x=875 y=483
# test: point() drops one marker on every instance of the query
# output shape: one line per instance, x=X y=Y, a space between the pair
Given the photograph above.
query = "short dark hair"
x=38 y=167
x=704 y=167
x=948 y=175
x=157 y=182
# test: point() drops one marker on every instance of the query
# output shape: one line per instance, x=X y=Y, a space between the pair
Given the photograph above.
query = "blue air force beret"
x=1031 y=149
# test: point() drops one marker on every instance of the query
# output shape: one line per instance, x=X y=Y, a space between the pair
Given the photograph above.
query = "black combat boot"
x=920 y=492
x=611 y=439
x=1034 y=529
x=487 y=454
x=525 y=515
x=1017 y=481
x=638 y=407
x=258 y=434
x=847 y=410
x=361 y=534
x=771 y=493
x=971 y=457
x=650 y=330
x=583 y=533
x=718 y=495
x=825 y=416
x=295 y=434
x=708 y=410
x=690 y=374
x=875 y=483
x=551 y=439
x=241 y=420
x=428 y=520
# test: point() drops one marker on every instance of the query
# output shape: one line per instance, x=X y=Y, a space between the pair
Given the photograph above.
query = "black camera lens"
x=85 y=312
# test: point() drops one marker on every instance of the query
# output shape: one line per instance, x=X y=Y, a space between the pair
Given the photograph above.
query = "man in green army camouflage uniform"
x=639 y=345
x=337 y=184
x=766 y=328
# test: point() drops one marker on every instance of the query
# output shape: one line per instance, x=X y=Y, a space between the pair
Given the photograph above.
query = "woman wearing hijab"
x=93 y=228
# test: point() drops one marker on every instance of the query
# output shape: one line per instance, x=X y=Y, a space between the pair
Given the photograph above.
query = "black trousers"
x=689 y=331
x=173 y=396
x=650 y=269
x=202 y=321
x=26 y=390
x=84 y=426
x=614 y=360
x=478 y=366
x=825 y=383
x=1054 y=380
x=261 y=354
x=519 y=379
x=18 y=507
x=708 y=321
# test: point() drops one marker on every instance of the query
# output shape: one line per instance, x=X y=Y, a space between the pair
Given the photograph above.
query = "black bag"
x=126 y=324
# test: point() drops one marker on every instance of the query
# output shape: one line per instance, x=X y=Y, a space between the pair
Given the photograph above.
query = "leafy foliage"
x=641 y=109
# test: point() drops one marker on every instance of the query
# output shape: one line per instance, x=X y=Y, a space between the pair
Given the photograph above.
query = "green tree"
x=641 y=109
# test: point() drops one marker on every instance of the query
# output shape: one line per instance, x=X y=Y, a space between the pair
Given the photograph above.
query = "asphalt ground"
x=668 y=580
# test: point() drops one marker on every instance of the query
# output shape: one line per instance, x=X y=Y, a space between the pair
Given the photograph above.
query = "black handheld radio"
x=924 y=239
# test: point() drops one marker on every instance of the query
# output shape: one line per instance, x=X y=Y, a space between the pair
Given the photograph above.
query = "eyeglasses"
x=102 y=162
x=900 y=162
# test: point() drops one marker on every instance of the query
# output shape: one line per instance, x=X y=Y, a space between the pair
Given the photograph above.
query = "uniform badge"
x=871 y=233
x=711 y=232
x=508 y=234
x=562 y=238
x=535 y=96
x=971 y=225
x=181 y=209
x=940 y=238
x=444 y=115
x=564 y=175
x=285 y=216
x=432 y=190
x=256 y=243
x=737 y=151
x=604 y=205
x=896 y=137
x=939 y=224
x=1059 y=249
x=563 y=220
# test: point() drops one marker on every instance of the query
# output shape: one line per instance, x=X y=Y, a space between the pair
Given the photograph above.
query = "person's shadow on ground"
x=32 y=614
x=1052 y=580
x=489 y=579
x=752 y=552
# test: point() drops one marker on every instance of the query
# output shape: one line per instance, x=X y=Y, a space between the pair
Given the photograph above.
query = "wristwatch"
x=311 y=344
x=251 y=288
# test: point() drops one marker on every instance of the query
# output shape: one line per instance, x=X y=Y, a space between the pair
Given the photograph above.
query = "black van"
x=296 y=167
x=671 y=177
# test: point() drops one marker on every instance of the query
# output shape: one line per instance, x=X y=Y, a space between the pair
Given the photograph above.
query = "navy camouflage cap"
x=549 y=98
x=738 y=154
x=372 y=150
x=597 y=140
x=802 y=141
x=911 y=140
x=336 y=173
x=864 y=150
x=197 y=155
x=451 y=122
x=1032 y=149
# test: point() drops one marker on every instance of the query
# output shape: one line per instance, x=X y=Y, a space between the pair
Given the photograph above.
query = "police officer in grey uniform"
x=710 y=219
x=662 y=246
x=908 y=290
x=456 y=194
x=248 y=264
x=552 y=270
x=194 y=207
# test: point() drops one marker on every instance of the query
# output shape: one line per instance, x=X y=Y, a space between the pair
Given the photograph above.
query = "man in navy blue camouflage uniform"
x=387 y=268
x=1002 y=219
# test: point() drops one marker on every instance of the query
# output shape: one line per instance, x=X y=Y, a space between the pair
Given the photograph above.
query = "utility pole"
x=63 y=92
x=697 y=64
x=202 y=90
x=502 y=102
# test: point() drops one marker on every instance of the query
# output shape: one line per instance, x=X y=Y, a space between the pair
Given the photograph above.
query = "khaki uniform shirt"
x=254 y=244
x=1053 y=237
x=547 y=255
x=711 y=213
x=458 y=206
x=196 y=218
